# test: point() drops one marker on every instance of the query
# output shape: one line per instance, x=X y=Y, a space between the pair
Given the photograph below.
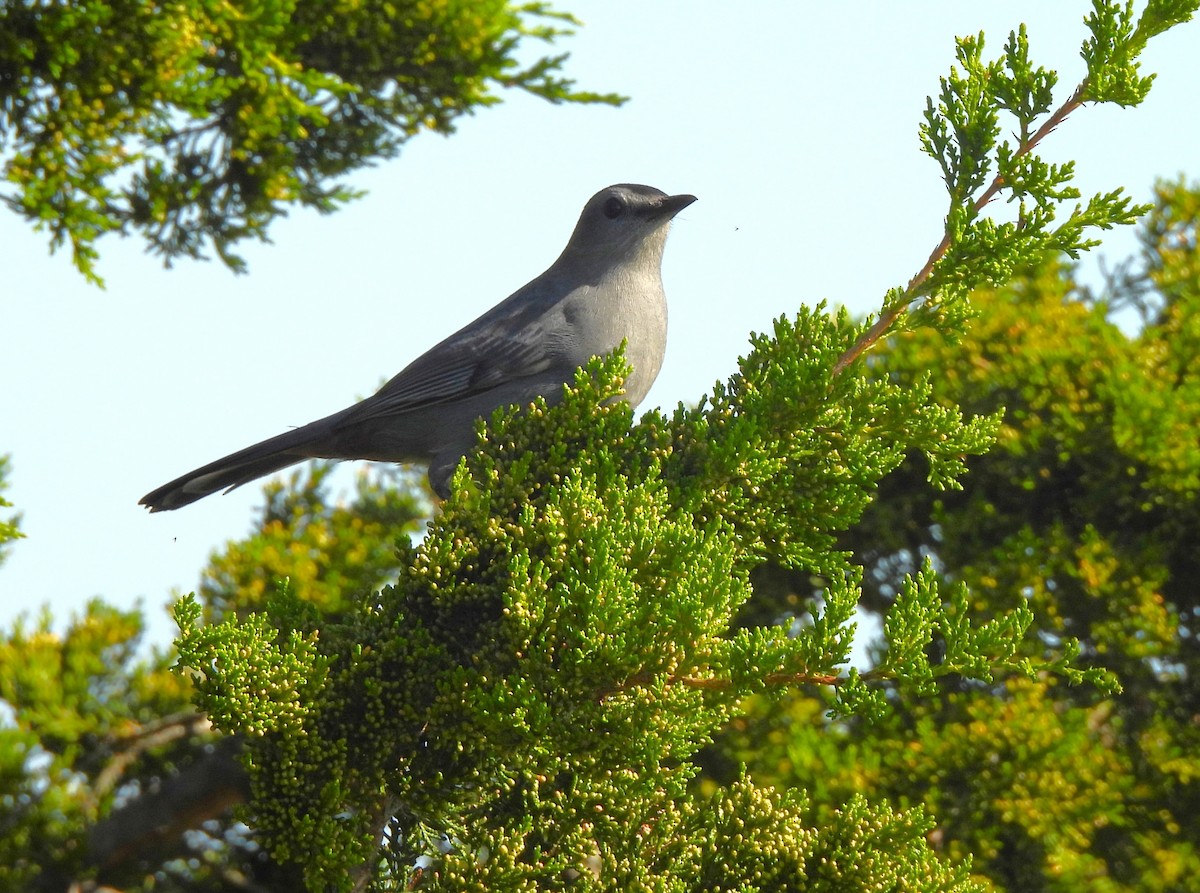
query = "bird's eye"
x=614 y=208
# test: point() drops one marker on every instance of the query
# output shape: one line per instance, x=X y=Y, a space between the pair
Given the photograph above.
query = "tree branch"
x=155 y=819
x=890 y=314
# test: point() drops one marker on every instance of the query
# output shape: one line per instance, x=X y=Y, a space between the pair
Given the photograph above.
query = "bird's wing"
x=470 y=362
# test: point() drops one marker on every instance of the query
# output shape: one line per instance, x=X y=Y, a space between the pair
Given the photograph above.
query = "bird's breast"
x=621 y=308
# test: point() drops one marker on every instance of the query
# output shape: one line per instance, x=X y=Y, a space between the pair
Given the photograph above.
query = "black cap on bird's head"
x=641 y=201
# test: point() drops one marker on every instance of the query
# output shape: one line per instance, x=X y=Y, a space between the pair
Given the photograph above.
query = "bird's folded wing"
x=455 y=371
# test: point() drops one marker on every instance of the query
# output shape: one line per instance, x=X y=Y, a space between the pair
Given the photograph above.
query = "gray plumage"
x=605 y=288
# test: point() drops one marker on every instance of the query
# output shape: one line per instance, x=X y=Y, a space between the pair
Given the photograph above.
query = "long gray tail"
x=235 y=469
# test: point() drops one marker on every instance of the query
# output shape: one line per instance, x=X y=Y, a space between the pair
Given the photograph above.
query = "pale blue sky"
x=794 y=123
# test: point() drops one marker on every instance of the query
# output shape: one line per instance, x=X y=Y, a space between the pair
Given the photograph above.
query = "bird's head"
x=623 y=224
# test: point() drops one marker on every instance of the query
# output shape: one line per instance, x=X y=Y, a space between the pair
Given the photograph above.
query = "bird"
x=605 y=289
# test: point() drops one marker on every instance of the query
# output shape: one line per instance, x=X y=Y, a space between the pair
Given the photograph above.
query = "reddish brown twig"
x=712 y=683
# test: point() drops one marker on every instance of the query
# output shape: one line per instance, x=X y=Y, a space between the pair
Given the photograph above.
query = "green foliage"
x=578 y=587
x=273 y=692
x=1116 y=42
x=96 y=728
x=78 y=699
x=768 y=452
x=1157 y=423
x=743 y=839
x=10 y=526
x=330 y=550
x=1084 y=518
x=962 y=133
x=1079 y=478
x=196 y=124
x=1030 y=790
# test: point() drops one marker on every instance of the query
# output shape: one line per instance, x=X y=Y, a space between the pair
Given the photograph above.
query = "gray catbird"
x=605 y=288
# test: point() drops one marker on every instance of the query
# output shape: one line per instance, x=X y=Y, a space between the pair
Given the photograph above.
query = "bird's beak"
x=672 y=205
